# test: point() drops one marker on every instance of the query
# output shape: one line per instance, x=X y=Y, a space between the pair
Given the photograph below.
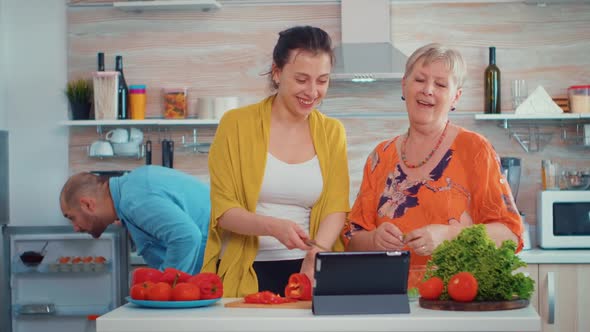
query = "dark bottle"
x=122 y=91
x=100 y=61
x=491 y=96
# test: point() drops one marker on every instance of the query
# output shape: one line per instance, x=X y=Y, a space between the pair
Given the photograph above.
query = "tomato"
x=142 y=274
x=171 y=274
x=100 y=260
x=87 y=259
x=185 y=291
x=462 y=287
x=431 y=288
x=298 y=287
x=266 y=297
x=161 y=291
x=209 y=283
x=140 y=291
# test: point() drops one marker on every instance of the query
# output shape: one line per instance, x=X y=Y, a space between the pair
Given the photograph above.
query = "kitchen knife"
x=148 y=152
x=171 y=153
x=313 y=243
x=165 y=154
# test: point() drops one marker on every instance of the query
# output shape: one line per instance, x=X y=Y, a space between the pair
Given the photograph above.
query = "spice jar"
x=175 y=103
x=137 y=101
x=579 y=96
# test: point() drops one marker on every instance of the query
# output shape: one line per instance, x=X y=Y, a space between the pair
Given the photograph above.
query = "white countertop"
x=533 y=256
x=557 y=256
x=130 y=318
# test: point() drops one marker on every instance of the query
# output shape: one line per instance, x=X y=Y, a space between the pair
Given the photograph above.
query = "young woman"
x=279 y=174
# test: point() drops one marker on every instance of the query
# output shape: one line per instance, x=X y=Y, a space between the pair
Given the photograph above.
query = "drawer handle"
x=551 y=297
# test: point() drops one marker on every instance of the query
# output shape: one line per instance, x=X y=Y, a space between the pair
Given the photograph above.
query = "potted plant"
x=79 y=93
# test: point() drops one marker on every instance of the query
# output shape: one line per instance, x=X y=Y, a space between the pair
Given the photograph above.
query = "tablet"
x=361 y=273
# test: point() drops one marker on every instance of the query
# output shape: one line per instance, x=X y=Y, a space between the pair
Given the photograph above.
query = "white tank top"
x=288 y=192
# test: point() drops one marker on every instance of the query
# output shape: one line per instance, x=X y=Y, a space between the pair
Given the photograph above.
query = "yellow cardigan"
x=237 y=160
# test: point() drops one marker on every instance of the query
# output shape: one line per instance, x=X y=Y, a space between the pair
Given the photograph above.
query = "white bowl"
x=129 y=149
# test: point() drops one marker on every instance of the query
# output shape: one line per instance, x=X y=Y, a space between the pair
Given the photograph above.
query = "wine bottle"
x=491 y=97
x=122 y=91
x=100 y=61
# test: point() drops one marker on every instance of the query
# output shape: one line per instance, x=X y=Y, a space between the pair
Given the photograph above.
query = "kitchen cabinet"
x=525 y=128
x=532 y=270
x=562 y=296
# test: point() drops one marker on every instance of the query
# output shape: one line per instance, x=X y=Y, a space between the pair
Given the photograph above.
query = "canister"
x=105 y=85
x=579 y=96
x=137 y=101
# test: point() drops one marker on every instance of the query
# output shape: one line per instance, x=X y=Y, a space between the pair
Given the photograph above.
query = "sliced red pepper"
x=266 y=297
x=298 y=287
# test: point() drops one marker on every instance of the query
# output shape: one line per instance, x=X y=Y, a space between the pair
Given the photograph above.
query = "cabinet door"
x=563 y=297
x=532 y=270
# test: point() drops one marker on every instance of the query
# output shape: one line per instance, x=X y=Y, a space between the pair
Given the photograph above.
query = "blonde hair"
x=433 y=52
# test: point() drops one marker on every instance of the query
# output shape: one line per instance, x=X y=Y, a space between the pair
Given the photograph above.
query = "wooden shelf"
x=512 y=116
x=147 y=122
x=204 y=5
x=531 y=138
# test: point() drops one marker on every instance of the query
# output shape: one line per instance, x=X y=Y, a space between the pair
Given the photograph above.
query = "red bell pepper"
x=298 y=287
x=209 y=283
x=171 y=274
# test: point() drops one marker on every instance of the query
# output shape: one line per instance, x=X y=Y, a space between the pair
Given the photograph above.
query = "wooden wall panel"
x=223 y=53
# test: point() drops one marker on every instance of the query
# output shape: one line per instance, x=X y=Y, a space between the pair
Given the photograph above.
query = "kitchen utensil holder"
x=191 y=143
x=139 y=155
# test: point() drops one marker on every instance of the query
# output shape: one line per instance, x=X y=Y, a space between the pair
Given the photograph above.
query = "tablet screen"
x=357 y=273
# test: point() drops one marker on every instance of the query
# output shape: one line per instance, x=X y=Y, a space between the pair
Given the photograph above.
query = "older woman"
x=422 y=187
x=279 y=174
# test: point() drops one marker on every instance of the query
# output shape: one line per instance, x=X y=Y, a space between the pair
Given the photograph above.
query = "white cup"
x=118 y=135
x=129 y=149
x=205 y=107
x=101 y=148
x=135 y=135
x=223 y=104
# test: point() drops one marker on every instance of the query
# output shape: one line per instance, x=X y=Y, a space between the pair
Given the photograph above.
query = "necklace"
x=440 y=139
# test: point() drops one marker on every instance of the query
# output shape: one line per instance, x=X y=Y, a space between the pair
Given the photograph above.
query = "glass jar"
x=579 y=96
x=175 y=103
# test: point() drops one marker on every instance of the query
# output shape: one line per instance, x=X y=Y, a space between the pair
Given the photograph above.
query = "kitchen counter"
x=130 y=318
x=533 y=256
x=557 y=256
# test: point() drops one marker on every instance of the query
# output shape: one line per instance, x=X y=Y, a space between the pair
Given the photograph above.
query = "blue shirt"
x=167 y=215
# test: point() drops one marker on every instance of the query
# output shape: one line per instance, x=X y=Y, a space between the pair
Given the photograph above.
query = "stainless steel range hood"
x=366 y=53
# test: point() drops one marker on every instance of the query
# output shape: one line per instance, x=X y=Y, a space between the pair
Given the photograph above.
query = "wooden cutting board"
x=472 y=306
x=291 y=305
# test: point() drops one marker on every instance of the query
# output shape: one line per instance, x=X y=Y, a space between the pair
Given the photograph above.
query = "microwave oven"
x=563 y=219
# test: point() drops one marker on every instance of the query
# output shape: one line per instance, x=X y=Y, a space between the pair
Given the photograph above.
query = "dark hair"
x=306 y=38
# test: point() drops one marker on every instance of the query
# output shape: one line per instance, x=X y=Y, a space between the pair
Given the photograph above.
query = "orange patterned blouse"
x=468 y=178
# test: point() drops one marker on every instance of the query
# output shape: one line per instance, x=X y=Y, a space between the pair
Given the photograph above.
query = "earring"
x=403 y=98
x=452 y=109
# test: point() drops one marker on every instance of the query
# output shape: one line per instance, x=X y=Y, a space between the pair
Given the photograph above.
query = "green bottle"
x=491 y=96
